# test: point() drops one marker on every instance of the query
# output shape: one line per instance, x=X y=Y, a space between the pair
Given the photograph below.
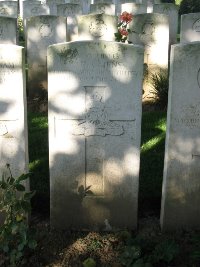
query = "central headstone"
x=94 y=133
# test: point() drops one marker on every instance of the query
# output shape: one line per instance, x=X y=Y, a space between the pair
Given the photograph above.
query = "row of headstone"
x=94 y=138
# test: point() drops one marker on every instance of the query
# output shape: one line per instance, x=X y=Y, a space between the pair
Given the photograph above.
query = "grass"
x=152 y=153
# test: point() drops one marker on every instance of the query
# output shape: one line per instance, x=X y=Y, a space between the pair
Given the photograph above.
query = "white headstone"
x=71 y=11
x=97 y=27
x=108 y=9
x=152 y=31
x=9 y=9
x=34 y=9
x=42 y=31
x=13 y=116
x=134 y=8
x=8 y=30
x=53 y=5
x=94 y=134
x=171 y=10
x=181 y=183
x=85 y=4
x=190 y=28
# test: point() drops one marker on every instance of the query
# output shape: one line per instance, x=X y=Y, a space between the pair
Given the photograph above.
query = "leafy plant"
x=160 y=84
x=15 y=235
x=165 y=251
x=89 y=262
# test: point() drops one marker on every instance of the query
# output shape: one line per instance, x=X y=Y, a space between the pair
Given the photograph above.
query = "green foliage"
x=189 y=6
x=89 y=262
x=195 y=255
x=140 y=253
x=165 y=251
x=15 y=235
x=160 y=83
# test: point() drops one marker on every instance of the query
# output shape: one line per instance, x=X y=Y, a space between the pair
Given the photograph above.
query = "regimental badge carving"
x=68 y=55
x=196 y=25
x=98 y=27
x=3 y=129
x=35 y=10
x=69 y=11
x=45 y=30
x=4 y=11
x=97 y=123
x=147 y=32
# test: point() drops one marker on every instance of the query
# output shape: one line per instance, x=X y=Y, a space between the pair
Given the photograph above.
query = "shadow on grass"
x=39 y=162
x=151 y=162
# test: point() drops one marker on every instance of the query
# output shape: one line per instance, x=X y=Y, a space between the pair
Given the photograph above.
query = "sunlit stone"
x=181 y=183
x=94 y=139
x=104 y=8
x=13 y=121
x=42 y=31
x=97 y=27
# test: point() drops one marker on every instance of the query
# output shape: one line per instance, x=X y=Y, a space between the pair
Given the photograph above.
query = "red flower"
x=125 y=16
x=123 y=32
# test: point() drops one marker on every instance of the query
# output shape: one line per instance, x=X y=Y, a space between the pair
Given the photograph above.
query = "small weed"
x=15 y=235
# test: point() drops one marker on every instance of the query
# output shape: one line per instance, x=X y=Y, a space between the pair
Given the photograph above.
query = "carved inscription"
x=189 y=116
x=196 y=25
x=5 y=69
x=3 y=129
x=198 y=78
x=98 y=27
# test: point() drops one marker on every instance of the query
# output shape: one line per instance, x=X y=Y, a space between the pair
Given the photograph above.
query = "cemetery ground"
x=144 y=248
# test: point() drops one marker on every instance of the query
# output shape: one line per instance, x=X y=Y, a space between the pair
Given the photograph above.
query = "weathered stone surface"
x=13 y=117
x=9 y=9
x=94 y=133
x=171 y=10
x=53 y=5
x=108 y=9
x=103 y=1
x=42 y=31
x=190 y=28
x=71 y=11
x=97 y=27
x=85 y=4
x=181 y=184
x=8 y=30
x=31 y=9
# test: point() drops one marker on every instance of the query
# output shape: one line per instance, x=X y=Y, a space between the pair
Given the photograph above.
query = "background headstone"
x=42 y=31
x=8 y=30
x=181 y=183
x=13 y=117
x=97 y=27
x=94 y=134
x=71 y=11
x=108 y=9
x=152 y=31
x=33 y=9
x=190 y=28
x=85 y=4
x=134 y=8
x=171 y=10
x=53 y=5
x=103 y=1
x=9 y=9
